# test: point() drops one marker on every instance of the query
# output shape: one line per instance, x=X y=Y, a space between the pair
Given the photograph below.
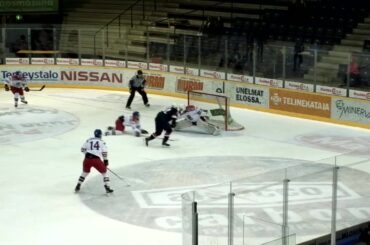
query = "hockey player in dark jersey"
x=165 y=120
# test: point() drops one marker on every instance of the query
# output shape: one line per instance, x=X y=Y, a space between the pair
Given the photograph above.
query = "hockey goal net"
x=217 y=107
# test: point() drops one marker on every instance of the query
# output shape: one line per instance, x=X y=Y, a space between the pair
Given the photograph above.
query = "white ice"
x=37 y=202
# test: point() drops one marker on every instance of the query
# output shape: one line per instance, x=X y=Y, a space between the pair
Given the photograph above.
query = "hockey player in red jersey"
x=96 y=154
x=16 y=83
x=165 y=120
x=133 y=121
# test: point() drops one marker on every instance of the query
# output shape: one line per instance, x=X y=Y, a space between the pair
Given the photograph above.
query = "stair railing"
x=129 y=10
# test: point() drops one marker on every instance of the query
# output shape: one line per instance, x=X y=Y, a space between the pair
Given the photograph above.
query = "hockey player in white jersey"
x=16 y=83
x=192 y=116
x=122 y=122
x=96 y=156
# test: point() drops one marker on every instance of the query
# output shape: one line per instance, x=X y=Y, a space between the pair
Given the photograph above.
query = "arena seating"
x=341 y=27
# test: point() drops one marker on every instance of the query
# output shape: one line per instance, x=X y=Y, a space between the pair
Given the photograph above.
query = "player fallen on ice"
x=17 y=83
x=121 y=124
x=96 y=154
x=164 y=121
x=192 y=116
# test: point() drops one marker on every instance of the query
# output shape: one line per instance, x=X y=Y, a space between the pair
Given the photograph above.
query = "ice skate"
x=108 y=189
x=24 y=101
x=78 y=187
x=164 y=142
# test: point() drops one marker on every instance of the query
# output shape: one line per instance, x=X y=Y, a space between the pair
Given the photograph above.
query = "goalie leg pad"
x=209 y=128
x=182 y=124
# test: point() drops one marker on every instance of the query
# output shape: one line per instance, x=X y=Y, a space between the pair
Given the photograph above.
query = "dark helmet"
x=136 y=114
x=98 y=133
x=173 y=110
x=140 y=72
x=122 y=118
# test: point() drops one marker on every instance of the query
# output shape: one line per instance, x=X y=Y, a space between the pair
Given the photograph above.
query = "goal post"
x=217 y=107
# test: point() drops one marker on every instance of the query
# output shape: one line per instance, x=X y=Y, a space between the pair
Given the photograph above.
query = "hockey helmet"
x=98 y=133
x=18 y=73
x=174 y=110
x=122 y=118
x=136 y=114
x=139 y=72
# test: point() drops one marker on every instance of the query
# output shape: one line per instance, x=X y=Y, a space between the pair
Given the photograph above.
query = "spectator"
x=354 y=73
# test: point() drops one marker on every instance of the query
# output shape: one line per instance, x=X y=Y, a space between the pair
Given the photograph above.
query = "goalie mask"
x=190 y=108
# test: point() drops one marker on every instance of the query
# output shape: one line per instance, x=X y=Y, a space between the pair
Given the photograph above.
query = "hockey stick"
x=40 y=89
x=119 y=177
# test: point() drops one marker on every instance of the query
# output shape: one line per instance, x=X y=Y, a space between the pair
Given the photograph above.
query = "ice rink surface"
x=41 y=162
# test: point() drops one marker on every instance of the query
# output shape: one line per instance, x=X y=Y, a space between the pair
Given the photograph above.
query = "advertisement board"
x=351 y=110
x=70 y=75
x=359 y=94
x=240 y=92
x=115 y=63
x=212 y=74
x=299 y=102
x=177 y=69
x=91 y=62
x=67 y=61
x=158 y=67
x=184 y=84
x=137 y=65
x=246 y=94
x=239 y=78
x=17 y=61
x=331 y=90
x=35 y=74
x=299 y=86
x=155 y=81
x=269 y=82
x=42 y=61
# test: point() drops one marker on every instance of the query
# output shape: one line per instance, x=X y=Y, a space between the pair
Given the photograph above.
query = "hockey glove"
x=106 y=163
x=173 y=124
x=26 y=89
x=143 y=131
x=6 y=87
